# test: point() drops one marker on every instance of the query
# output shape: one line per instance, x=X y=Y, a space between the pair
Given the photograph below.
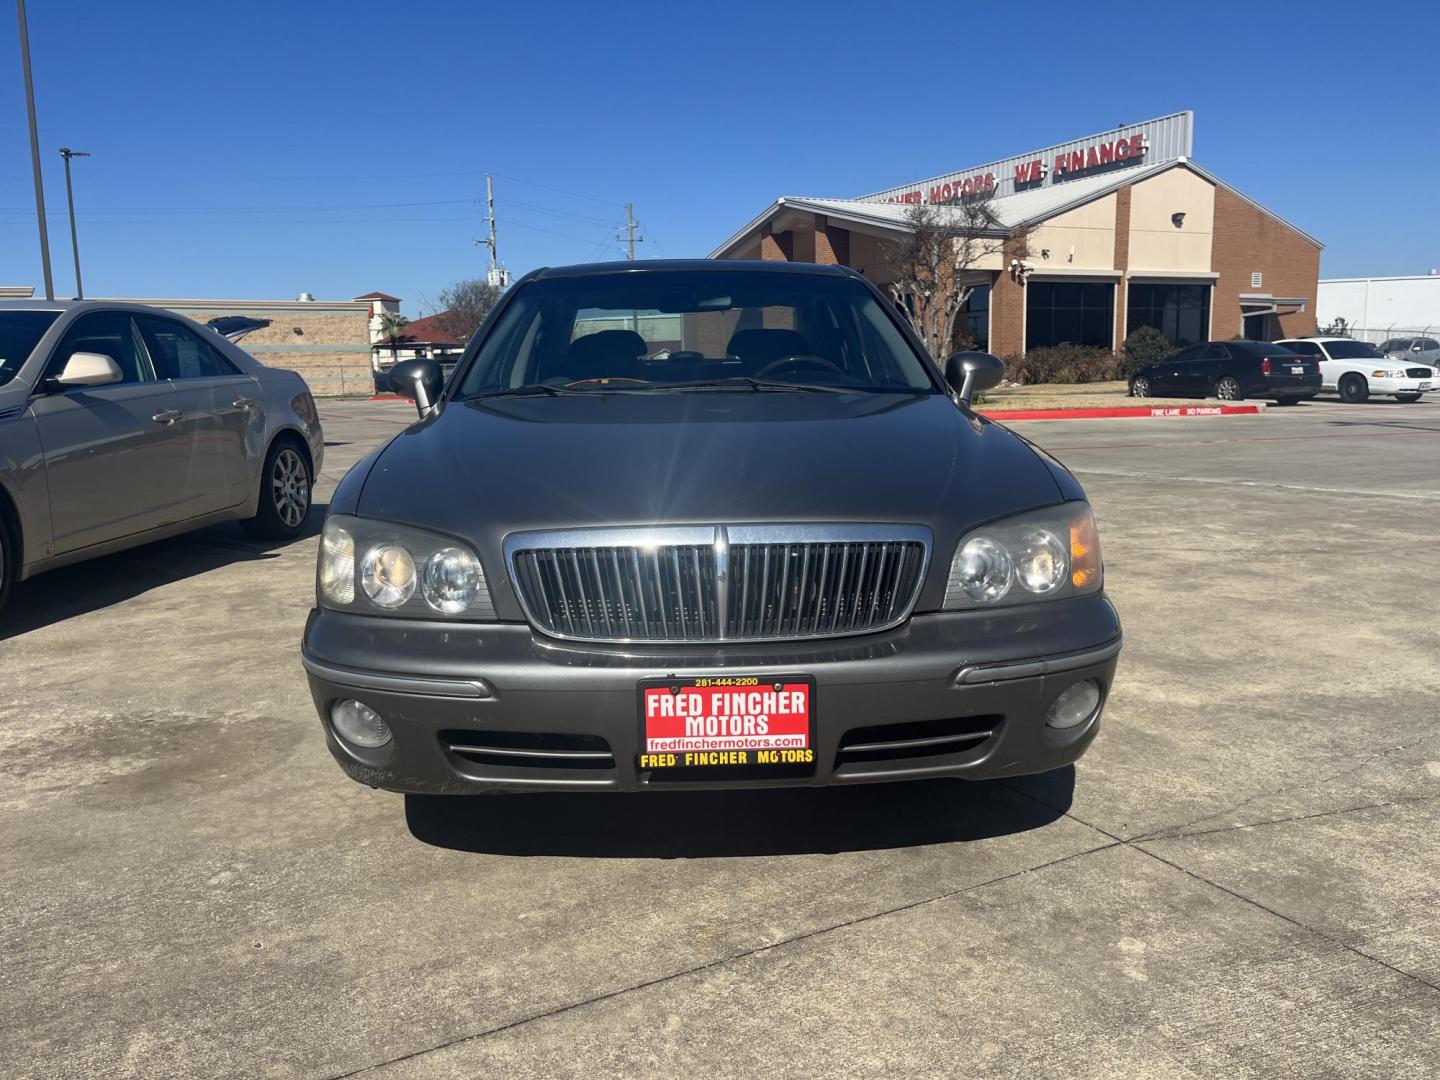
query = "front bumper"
x=980 y=681
x=1384 y=387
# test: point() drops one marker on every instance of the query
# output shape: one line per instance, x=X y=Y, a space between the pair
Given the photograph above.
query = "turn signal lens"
x=1084 y=550
x=337 y=565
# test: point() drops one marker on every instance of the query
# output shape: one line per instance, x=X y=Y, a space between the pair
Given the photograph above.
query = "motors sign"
x=1148 y=142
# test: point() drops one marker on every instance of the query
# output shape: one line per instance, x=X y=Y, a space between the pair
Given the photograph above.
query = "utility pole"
x=35 y=151
x=630 y=226
x=67 y=154
x=497 y=277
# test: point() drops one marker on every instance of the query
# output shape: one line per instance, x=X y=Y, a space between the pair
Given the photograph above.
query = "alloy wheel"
x=1141 y=387
x=1227 y=389
x=290 y=487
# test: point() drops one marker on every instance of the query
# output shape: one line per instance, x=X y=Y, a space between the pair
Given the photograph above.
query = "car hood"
x=481 y=470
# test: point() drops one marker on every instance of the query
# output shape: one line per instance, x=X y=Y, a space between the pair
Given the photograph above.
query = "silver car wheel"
x=1228 y=389
x=1141 y=387
x=290 y=487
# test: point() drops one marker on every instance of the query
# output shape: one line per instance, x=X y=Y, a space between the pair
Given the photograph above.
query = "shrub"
x=1063 y=364
x=1145 y=345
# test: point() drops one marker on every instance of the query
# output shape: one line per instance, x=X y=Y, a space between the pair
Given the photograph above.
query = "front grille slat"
x=782 y=582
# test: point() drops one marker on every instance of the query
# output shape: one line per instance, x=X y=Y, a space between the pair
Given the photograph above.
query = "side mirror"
x=419 y=380
x=971 y=372
x=89 y=369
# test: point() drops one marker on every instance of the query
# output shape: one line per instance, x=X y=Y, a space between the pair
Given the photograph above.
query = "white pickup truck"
x=1356 y=369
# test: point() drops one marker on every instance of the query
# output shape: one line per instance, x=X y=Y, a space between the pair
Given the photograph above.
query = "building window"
x=1179 y=311
x=975 y=319
x=1069 y=313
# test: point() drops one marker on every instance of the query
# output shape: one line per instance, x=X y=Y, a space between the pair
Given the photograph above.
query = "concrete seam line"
x=1351 y=770
x=1285 y=918
x=560 y=1010
x=1135 y=844
x=1177 y=835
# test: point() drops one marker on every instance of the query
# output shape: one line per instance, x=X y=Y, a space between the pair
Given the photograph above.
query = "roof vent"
x=306 y=298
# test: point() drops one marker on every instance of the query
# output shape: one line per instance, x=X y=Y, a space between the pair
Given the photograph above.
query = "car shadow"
x=735 y=824
x=100 y=583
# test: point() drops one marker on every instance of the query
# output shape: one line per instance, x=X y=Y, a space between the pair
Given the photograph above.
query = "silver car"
x=1423 y=350
x=121 y=424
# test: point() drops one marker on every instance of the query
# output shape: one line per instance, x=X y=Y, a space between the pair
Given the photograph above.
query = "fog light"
x=1075 y=705
x=359 y=724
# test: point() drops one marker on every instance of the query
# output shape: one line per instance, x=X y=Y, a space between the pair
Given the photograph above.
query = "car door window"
x=1216 y=352
x=179 y=353
x=1304 y=348
x=110 y=333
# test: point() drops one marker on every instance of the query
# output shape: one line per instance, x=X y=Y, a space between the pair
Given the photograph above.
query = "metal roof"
x=1023 y=208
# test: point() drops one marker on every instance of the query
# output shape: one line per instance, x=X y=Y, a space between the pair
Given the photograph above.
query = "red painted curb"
x=1123 y=411
x=388 y=397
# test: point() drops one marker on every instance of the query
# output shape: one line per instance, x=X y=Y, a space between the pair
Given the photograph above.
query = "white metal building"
x=1375 y=309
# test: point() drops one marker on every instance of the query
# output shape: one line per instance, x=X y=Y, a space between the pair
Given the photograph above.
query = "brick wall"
x=1248 y=239
x=1122 y=261
x=331 y=352
x=1007 y=306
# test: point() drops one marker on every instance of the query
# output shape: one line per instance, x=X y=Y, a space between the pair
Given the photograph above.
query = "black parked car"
x=705 y=524
x=1231 y=371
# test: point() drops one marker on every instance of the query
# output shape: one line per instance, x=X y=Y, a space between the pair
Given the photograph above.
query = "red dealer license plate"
x=728 y=722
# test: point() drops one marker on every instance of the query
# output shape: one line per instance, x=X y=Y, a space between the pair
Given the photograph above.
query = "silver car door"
x=223 y=414
x=114 y=455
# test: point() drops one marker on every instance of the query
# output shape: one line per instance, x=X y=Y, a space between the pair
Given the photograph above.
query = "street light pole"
x=35 y=151
x=67 y=154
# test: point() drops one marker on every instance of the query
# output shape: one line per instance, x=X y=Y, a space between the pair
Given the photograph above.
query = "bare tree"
x=464 y=305
x=928 y=269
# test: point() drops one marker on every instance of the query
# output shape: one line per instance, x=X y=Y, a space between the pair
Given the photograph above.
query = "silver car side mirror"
x=89 y=369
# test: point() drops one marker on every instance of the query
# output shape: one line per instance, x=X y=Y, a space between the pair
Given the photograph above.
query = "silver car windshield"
x=693 y=331
x=20 y=332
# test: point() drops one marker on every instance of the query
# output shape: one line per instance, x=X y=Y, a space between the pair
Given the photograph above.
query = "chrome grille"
x=735 y=583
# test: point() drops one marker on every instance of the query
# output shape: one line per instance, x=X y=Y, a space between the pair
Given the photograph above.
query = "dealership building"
x=1100 y=235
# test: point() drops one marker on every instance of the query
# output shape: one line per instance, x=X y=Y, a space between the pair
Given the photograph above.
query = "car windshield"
x=19 y=332
x=1351 y=350
x=694 y=331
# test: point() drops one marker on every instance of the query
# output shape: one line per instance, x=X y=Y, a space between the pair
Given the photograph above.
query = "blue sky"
x=260 y=149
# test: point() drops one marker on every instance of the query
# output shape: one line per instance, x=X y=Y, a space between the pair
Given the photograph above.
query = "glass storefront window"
x=975 y=318
x=1179 y=311
x=1069 y=313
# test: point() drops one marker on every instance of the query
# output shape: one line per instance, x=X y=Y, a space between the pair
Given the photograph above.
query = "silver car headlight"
x=1048 y=554
x=382 y=568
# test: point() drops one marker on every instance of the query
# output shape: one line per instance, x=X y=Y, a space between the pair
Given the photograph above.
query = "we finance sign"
x=1166 y=138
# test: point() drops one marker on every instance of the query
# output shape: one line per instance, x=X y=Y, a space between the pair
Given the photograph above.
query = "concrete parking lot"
x=1239 y=880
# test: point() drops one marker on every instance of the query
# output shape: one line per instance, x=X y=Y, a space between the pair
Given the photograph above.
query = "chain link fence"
x=1377 y=335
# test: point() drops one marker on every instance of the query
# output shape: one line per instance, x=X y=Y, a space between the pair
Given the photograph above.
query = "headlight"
x=1041 y=555
x=382 y=568
x=1387 y=374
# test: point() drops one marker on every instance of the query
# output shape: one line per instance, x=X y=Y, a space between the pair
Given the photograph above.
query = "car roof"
x=77 y=305
x=710 y=266
x=1321 y=339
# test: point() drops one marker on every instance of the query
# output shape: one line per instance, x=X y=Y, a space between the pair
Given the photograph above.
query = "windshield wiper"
x=746 y=382
x=528 y=390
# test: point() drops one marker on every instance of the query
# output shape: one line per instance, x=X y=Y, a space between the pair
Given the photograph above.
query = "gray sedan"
x=121 y=424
